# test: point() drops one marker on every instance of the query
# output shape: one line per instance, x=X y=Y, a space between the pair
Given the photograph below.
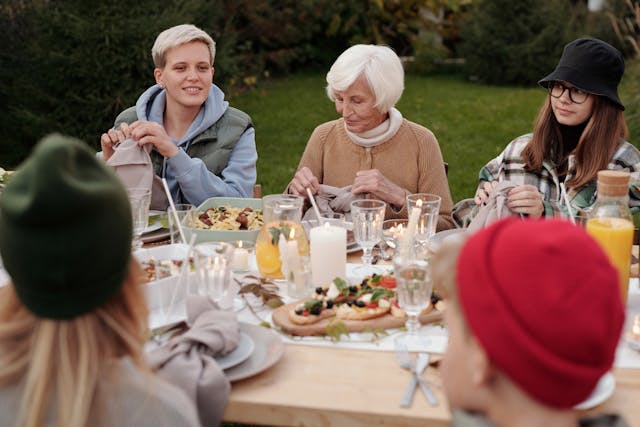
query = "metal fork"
x=404 y=360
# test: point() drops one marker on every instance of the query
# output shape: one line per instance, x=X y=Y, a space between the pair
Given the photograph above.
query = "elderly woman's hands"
x=111 y=138
x=526 y=199
x=374 y=182
x=302 y=180
x=153 y=133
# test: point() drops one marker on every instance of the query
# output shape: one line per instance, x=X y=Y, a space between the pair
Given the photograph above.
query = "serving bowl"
x=210 y=235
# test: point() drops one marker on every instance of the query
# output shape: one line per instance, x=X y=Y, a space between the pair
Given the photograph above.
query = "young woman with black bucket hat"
x=580 y=130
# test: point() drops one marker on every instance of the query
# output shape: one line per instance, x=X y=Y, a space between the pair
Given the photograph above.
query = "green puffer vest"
x=213 y=146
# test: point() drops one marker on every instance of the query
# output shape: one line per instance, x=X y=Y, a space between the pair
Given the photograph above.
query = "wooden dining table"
x=324 y=386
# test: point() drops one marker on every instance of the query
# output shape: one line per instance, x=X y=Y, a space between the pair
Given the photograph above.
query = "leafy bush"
x=514 y=42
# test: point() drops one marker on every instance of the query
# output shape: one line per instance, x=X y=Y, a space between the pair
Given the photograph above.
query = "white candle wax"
x=240 y=259
x=328 y=253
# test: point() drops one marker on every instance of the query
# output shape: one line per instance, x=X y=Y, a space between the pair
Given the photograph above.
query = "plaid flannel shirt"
x=509 y=165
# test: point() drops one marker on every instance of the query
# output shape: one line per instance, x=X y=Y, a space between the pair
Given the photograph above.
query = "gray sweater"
x=126 y=397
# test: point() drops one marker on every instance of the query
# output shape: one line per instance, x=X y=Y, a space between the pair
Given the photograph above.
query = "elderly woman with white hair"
x=372 y=148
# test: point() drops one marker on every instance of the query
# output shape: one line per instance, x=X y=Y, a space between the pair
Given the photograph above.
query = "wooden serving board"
x=280 y=317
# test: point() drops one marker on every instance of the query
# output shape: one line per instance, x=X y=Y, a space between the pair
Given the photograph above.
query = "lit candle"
x=328 y=253
x=414 y=216
x=240 y=258
x=292 y=251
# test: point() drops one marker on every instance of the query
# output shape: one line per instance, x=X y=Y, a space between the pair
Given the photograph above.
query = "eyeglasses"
x=578 y=96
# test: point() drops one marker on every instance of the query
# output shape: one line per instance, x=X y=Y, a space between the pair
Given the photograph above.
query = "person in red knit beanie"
x=534 y=319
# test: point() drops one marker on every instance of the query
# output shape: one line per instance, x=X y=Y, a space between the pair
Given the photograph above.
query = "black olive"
x=349 y=303
x=364 y=283
x=360 y=303
x=299 y=312
x=353 y=289
x=319 y=290
x=329 y=303
x=315 y=310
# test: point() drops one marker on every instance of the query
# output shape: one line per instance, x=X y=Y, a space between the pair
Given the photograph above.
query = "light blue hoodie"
x=188 y=178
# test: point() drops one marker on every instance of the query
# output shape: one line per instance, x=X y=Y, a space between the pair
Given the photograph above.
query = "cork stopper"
x=613 y=183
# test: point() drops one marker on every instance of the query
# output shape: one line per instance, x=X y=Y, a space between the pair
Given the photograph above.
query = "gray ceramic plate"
x=268 y=349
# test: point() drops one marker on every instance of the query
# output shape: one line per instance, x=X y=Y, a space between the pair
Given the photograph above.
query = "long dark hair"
x=604 y=132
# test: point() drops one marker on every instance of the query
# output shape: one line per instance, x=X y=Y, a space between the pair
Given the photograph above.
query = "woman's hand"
x=112 y=138
x=302 y=180
x=484 y=191
x=374 y=182
x=153 y=133
x=526 y=199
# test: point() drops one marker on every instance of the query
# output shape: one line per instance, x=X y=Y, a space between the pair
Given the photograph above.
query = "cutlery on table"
x=404 y=360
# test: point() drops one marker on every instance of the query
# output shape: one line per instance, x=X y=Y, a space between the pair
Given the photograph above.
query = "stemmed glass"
x=367 y=216
x=413 y=287
x=140 y=198
x=428 y=206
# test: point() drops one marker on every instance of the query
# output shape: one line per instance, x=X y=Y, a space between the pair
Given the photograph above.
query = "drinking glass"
x=213 y=262
x=393 y=230
x=367 y=216
x=413 y=287
x=427 y=206
x=140 y=198
x=186 y=215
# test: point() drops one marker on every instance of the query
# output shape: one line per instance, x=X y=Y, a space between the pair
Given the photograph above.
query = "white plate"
x=152 y=227
x=240 y=354
x=604 y=389
x=269 y=348
x=440 y=236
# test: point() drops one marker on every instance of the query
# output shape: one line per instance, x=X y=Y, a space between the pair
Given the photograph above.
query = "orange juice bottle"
x=282 y=214
x=611 y=225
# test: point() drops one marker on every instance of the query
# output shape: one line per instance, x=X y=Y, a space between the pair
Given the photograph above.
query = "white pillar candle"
x=240 y=259
x=328 y=253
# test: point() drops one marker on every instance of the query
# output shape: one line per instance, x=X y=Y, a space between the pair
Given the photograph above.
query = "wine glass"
x=367 y=216
x=413 y=287
x=140 y=198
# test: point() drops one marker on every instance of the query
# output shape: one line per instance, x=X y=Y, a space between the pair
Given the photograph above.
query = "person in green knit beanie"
x=74 y=317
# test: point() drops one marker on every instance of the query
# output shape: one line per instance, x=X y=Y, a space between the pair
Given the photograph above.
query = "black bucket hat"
x=591 y=65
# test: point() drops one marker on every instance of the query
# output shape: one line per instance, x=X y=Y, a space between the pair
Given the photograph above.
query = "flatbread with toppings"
x=368 y=305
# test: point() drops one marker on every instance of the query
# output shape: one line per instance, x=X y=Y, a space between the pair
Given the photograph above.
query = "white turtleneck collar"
x=379 y=134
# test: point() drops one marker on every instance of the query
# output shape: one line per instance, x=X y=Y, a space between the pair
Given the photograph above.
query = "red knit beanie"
x=542 y=299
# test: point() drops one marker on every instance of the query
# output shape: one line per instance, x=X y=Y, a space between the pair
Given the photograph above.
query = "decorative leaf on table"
x=262 y=288
x=335 y=329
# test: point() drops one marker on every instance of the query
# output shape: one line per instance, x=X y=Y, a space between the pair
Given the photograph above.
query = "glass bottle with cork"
x=611 y=225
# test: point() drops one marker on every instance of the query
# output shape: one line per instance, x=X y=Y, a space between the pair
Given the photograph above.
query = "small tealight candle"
x=240 y=257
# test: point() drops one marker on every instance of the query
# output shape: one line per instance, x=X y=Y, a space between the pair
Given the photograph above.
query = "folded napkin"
x=495 y=208
x=133 y=165
x=187 y=360
x=333 y=199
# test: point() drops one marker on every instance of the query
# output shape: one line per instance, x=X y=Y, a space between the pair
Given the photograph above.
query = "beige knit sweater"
x=411 y=159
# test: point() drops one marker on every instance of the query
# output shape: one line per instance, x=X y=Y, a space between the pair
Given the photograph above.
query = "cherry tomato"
x=388 y=282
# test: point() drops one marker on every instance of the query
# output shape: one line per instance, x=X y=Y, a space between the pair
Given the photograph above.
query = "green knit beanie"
x=65 y=230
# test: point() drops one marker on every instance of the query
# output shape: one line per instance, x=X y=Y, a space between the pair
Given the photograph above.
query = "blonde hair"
x=177 y=36
x=380 y=66
x=64 y=358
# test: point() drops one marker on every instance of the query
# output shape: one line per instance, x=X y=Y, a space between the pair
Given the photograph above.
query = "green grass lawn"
x=472 y=122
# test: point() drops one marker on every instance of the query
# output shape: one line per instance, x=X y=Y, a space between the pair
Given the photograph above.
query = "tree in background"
x=514 y=42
